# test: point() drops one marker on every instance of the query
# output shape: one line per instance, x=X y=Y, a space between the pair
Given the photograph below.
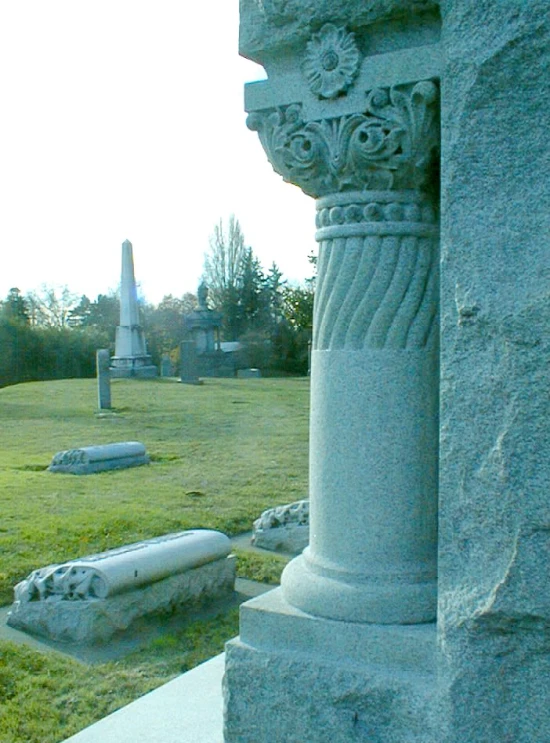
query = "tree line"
x=53 y=333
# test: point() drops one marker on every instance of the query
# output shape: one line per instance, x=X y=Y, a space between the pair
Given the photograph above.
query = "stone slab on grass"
x=90 y=459
x=89 y=600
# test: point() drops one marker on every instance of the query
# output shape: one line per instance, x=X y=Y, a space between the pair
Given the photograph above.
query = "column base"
x=291 y=677
x=126 y=367
x=350 y=598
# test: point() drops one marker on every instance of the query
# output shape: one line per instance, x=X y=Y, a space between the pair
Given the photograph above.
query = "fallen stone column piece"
x=90 y=459
x=283 y=528
x=89 y=599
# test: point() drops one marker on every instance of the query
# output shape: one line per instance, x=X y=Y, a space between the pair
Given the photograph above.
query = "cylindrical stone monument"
x=374 y=372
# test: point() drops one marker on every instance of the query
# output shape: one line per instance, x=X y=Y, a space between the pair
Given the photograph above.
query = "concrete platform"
x=188 y=709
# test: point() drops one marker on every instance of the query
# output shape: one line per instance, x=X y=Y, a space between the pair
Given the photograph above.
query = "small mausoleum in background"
x=203 y=326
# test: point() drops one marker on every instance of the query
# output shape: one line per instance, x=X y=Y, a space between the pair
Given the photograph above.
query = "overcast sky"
x=123 y=119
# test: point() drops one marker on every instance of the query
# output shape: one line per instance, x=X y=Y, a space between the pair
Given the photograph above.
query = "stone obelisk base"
x=291 y=677
x=132 y=366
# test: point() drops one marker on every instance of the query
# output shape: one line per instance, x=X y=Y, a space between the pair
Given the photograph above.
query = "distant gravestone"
x=89 y=599
x=248 y=374
x=90 y=459
x=188 y=362
x=166 y=368
x=103 y=360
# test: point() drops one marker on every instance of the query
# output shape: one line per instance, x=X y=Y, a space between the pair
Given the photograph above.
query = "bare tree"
x=51 y=306
x=223 y=262
x=223 y=271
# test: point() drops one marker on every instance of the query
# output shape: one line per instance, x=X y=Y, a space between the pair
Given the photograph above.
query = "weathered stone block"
x=494 y=576
x=323 y=681
x=283 y=528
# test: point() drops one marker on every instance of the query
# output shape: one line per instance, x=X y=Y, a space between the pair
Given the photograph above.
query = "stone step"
x=188 y=709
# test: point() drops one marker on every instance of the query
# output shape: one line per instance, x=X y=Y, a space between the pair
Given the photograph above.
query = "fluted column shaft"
x=373 y=433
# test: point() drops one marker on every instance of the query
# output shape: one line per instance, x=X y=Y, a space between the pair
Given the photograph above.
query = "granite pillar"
x=373 y=432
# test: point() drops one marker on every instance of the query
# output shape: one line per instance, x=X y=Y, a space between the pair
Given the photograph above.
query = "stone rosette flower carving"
x=331 y=61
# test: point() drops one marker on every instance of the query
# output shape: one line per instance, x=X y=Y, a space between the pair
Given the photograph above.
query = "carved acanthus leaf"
x=388 y=146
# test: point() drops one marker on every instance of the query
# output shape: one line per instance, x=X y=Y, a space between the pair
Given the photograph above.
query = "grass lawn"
x=221 y=453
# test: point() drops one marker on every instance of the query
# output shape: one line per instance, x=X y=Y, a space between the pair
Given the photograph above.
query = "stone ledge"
x=188 y=709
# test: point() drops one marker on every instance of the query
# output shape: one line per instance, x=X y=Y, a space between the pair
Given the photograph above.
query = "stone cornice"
x=388 y=145
x=267 y=27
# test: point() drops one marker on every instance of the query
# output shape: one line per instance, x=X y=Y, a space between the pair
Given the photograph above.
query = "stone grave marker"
x=188 y=363
x=103 y=360
x=166 y=367
x=131 y=358
x=283 y=528
x=249 y=373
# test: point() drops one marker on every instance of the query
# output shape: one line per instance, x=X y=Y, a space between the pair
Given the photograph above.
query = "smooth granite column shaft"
x=374 y=422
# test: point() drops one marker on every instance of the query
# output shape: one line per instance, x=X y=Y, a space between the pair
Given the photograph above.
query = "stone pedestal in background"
x=131 y=358
x=103 y=359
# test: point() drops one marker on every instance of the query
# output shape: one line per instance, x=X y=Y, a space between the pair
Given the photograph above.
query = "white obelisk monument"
x=131 y=358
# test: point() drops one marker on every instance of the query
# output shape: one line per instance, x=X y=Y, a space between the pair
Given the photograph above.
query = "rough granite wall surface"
x=494 y=585
x=303 y=702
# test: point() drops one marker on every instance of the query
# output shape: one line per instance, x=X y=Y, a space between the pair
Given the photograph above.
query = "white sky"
x=123 y=119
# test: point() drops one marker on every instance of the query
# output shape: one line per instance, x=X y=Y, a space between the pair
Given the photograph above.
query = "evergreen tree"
x=15 y=307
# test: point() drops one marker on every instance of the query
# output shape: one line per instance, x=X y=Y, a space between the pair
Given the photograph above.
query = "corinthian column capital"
x=388 y=145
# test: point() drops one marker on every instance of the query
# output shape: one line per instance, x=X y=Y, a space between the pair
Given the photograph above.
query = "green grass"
x=45 y=698
x=221 y=453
